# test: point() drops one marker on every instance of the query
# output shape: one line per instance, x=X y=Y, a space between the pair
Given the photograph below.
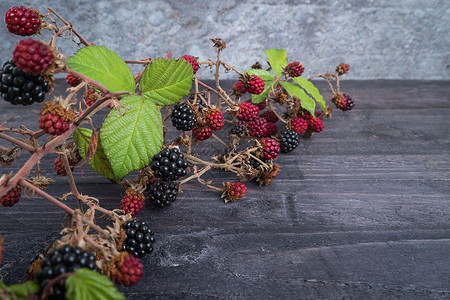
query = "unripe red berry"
x=23 y=21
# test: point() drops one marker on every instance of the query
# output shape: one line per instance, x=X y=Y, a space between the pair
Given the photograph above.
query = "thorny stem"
x=73 y=186
x=17 y=142
x=89 y=81
x=46 y=196
x=73 y=29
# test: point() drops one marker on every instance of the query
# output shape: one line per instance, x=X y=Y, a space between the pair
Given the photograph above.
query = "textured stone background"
x=380 y=39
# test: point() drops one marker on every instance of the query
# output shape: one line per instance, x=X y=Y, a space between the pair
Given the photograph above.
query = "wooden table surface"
x=359 y=211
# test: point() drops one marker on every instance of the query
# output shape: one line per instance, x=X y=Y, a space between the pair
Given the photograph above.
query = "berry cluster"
x=254 y=85
x=55 y=119
x=22 y=88
x=22 y=21
x=343 y=102
x=139 y=238
x=11 y=197
x=294 y=69
x=183 y=117
x=132 y=202
x=32 y=56
x=127 y=271
x=193 y=61
x=271 y=148
x=169 y=164
x=63 y=260
x=288 y=140
x=215 y=119
x=163 y=193
x=202 y=133
x=234 y=191
x=248 y=112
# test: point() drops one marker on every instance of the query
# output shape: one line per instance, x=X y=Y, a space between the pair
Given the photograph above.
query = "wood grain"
x=359 y=211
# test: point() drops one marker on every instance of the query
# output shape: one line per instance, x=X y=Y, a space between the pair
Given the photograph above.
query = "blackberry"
x=349 y=102
x=63 y=260
x=139 y=238
x=19 y=87
x=183 y=117
x=289 y=140
x=169 y=164
x=163 y=193
x=239 y=128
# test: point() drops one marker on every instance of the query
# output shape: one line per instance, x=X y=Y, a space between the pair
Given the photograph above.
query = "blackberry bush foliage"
x=264 y=114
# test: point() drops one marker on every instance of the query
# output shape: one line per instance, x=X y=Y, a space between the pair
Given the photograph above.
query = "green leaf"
x=87 y=284
x=104 y=66
x=265 y=75
x=261 y=97
x=99 y=162
x=296 y=91
x=22 y=291
x=312 y=90
x=130 y=140
x=277 y=60
x=165 y=82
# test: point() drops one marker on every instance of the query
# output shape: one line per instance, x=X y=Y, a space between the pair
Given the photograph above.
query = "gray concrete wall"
x=380 y=39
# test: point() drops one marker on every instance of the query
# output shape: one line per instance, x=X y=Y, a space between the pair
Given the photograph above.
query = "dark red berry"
x=55 y=119
x=248 y=111
x=257 y=127
x=271 y=129
x=32 y=56
x=298 y=124
x=11 y=197
x=22 y=21
x=202 y=133
x=215 y=119
x=255 y=85
x=342 y=69
x=127 y=271
x=294 y=69
x=190 y=59
x=72 y=80
x=133 y=202
x=270 y=116
x=271 y=148
x=234 y=191
x=239 y=89
x=315 y=125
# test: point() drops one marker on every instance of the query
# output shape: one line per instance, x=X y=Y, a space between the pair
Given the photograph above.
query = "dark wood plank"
x=361 y=210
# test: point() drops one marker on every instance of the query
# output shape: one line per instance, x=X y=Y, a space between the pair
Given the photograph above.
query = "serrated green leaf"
x=104 y=66
x=87 y=284
x=130 y=140
x=261 y=97
x=296 y=91
x=99 y=162
x=263 y=74
x=277 y=60
x=165 y=82
x=22 y=291
x=312 y=90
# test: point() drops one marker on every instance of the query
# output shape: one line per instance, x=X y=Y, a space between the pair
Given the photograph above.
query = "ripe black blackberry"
x=139 y=238
x=169 y=164
x=183 y=117
x=239 y=128
x=163 y=193
x=19 y=87
x=349 y=102
x=63 y=260
x=288 y=140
